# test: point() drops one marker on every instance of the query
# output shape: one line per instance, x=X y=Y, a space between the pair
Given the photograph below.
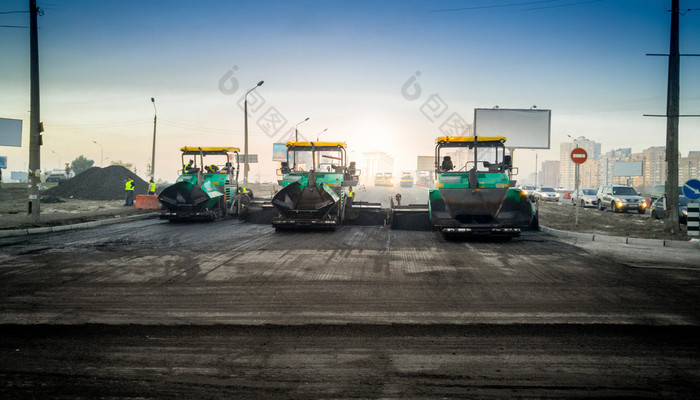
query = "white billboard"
x=10 y=132
x=627 y=168
x=523 y=128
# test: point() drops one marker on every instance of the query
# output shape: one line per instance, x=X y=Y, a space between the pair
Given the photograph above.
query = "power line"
x=104 y=125
x=13 y=12
x=525 y=3
x=562 y=5
x=201 y=128
x=14 y=26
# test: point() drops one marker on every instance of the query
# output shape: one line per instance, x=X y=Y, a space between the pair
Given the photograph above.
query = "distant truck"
x=423 y=178
x=58 y=175
x=406 y=179
x=383 y=179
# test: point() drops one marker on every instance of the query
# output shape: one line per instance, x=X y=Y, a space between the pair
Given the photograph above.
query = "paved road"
x=213 y=310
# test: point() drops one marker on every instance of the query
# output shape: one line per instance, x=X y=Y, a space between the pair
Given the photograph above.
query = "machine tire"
x=600 y=205
x=642 y=211
x=583 y=204
x=613 y=208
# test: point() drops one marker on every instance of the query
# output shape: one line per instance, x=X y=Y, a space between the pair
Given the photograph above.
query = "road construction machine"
x=474 y=193
x=317 y=188
x=207 y=187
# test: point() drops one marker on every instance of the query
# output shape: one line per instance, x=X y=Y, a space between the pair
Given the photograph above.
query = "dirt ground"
x=13 y=210
x=562 y=215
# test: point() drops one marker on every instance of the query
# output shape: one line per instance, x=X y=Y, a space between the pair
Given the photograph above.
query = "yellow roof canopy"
x=209 y=150
x=315 y=144
x=459 y=139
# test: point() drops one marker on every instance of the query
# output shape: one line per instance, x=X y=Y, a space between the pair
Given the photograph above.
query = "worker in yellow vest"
x=129 y=188
x=350 y=197
x=151 y=187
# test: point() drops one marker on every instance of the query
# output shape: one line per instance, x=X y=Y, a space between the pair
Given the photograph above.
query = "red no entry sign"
x=579 y=155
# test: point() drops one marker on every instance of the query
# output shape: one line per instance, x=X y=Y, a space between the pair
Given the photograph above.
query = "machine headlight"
x=685 y=212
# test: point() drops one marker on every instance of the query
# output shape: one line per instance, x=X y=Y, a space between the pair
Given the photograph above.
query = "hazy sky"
x=344 y=64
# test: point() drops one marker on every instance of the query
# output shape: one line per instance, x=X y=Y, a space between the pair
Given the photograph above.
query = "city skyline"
x=601 y=167
x=363 y=70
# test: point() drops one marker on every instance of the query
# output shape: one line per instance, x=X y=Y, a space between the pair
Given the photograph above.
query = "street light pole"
x=296 y=139
x=245 y=125
x=320 y=134
x=102 y=154
x=153 y=153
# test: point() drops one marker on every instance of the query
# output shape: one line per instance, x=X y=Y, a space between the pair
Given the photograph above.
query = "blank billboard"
x=426 y=163
x=10 y=132
x=627 y=168
x=523 y=128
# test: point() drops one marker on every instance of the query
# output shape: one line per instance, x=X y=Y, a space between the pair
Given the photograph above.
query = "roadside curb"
x=82 y=225
x=590 y=237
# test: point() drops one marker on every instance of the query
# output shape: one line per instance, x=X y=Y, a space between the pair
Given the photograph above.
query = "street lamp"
x=102 y=154
x=153 y=153
x=296 y=139
x=245 y=149
x=320 y=134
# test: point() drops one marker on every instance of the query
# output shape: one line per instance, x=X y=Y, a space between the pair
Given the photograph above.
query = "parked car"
x=584 y=197
x=658 y=191
x=620 y=198
x=546 y=193
x=657 y=209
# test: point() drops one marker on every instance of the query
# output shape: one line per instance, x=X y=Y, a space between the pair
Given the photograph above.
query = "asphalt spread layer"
x=349 y=361
x=152 y=309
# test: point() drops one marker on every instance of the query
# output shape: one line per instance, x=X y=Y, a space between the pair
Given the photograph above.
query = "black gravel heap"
x=99 y=184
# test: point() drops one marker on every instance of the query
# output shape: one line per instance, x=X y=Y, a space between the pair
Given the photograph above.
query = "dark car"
x=657 y=209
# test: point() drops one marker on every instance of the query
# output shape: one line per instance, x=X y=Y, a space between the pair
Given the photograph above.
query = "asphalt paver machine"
x=207 y=187
x=474 y=194
x=316 y=183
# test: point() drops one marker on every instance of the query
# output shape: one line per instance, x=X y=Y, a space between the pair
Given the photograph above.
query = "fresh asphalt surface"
x=152 y=309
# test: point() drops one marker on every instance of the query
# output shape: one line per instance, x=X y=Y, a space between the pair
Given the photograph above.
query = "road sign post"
x=578 y=156
x=691 y=190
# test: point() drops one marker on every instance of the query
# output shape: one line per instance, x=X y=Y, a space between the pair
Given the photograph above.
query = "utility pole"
x=153 y=153
x=672 y=115
x=671 y=224
x=34 y=124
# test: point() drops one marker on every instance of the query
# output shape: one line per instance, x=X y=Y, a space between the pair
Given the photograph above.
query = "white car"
x=546 y=193
x=584 y=197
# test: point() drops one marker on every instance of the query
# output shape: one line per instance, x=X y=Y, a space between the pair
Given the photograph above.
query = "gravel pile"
x=99 y=184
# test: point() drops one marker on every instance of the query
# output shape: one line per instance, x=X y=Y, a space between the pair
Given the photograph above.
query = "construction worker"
x=212 y=169
x=351 y=196
x=151 y=187
x=129 y=188
x=186 y=169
